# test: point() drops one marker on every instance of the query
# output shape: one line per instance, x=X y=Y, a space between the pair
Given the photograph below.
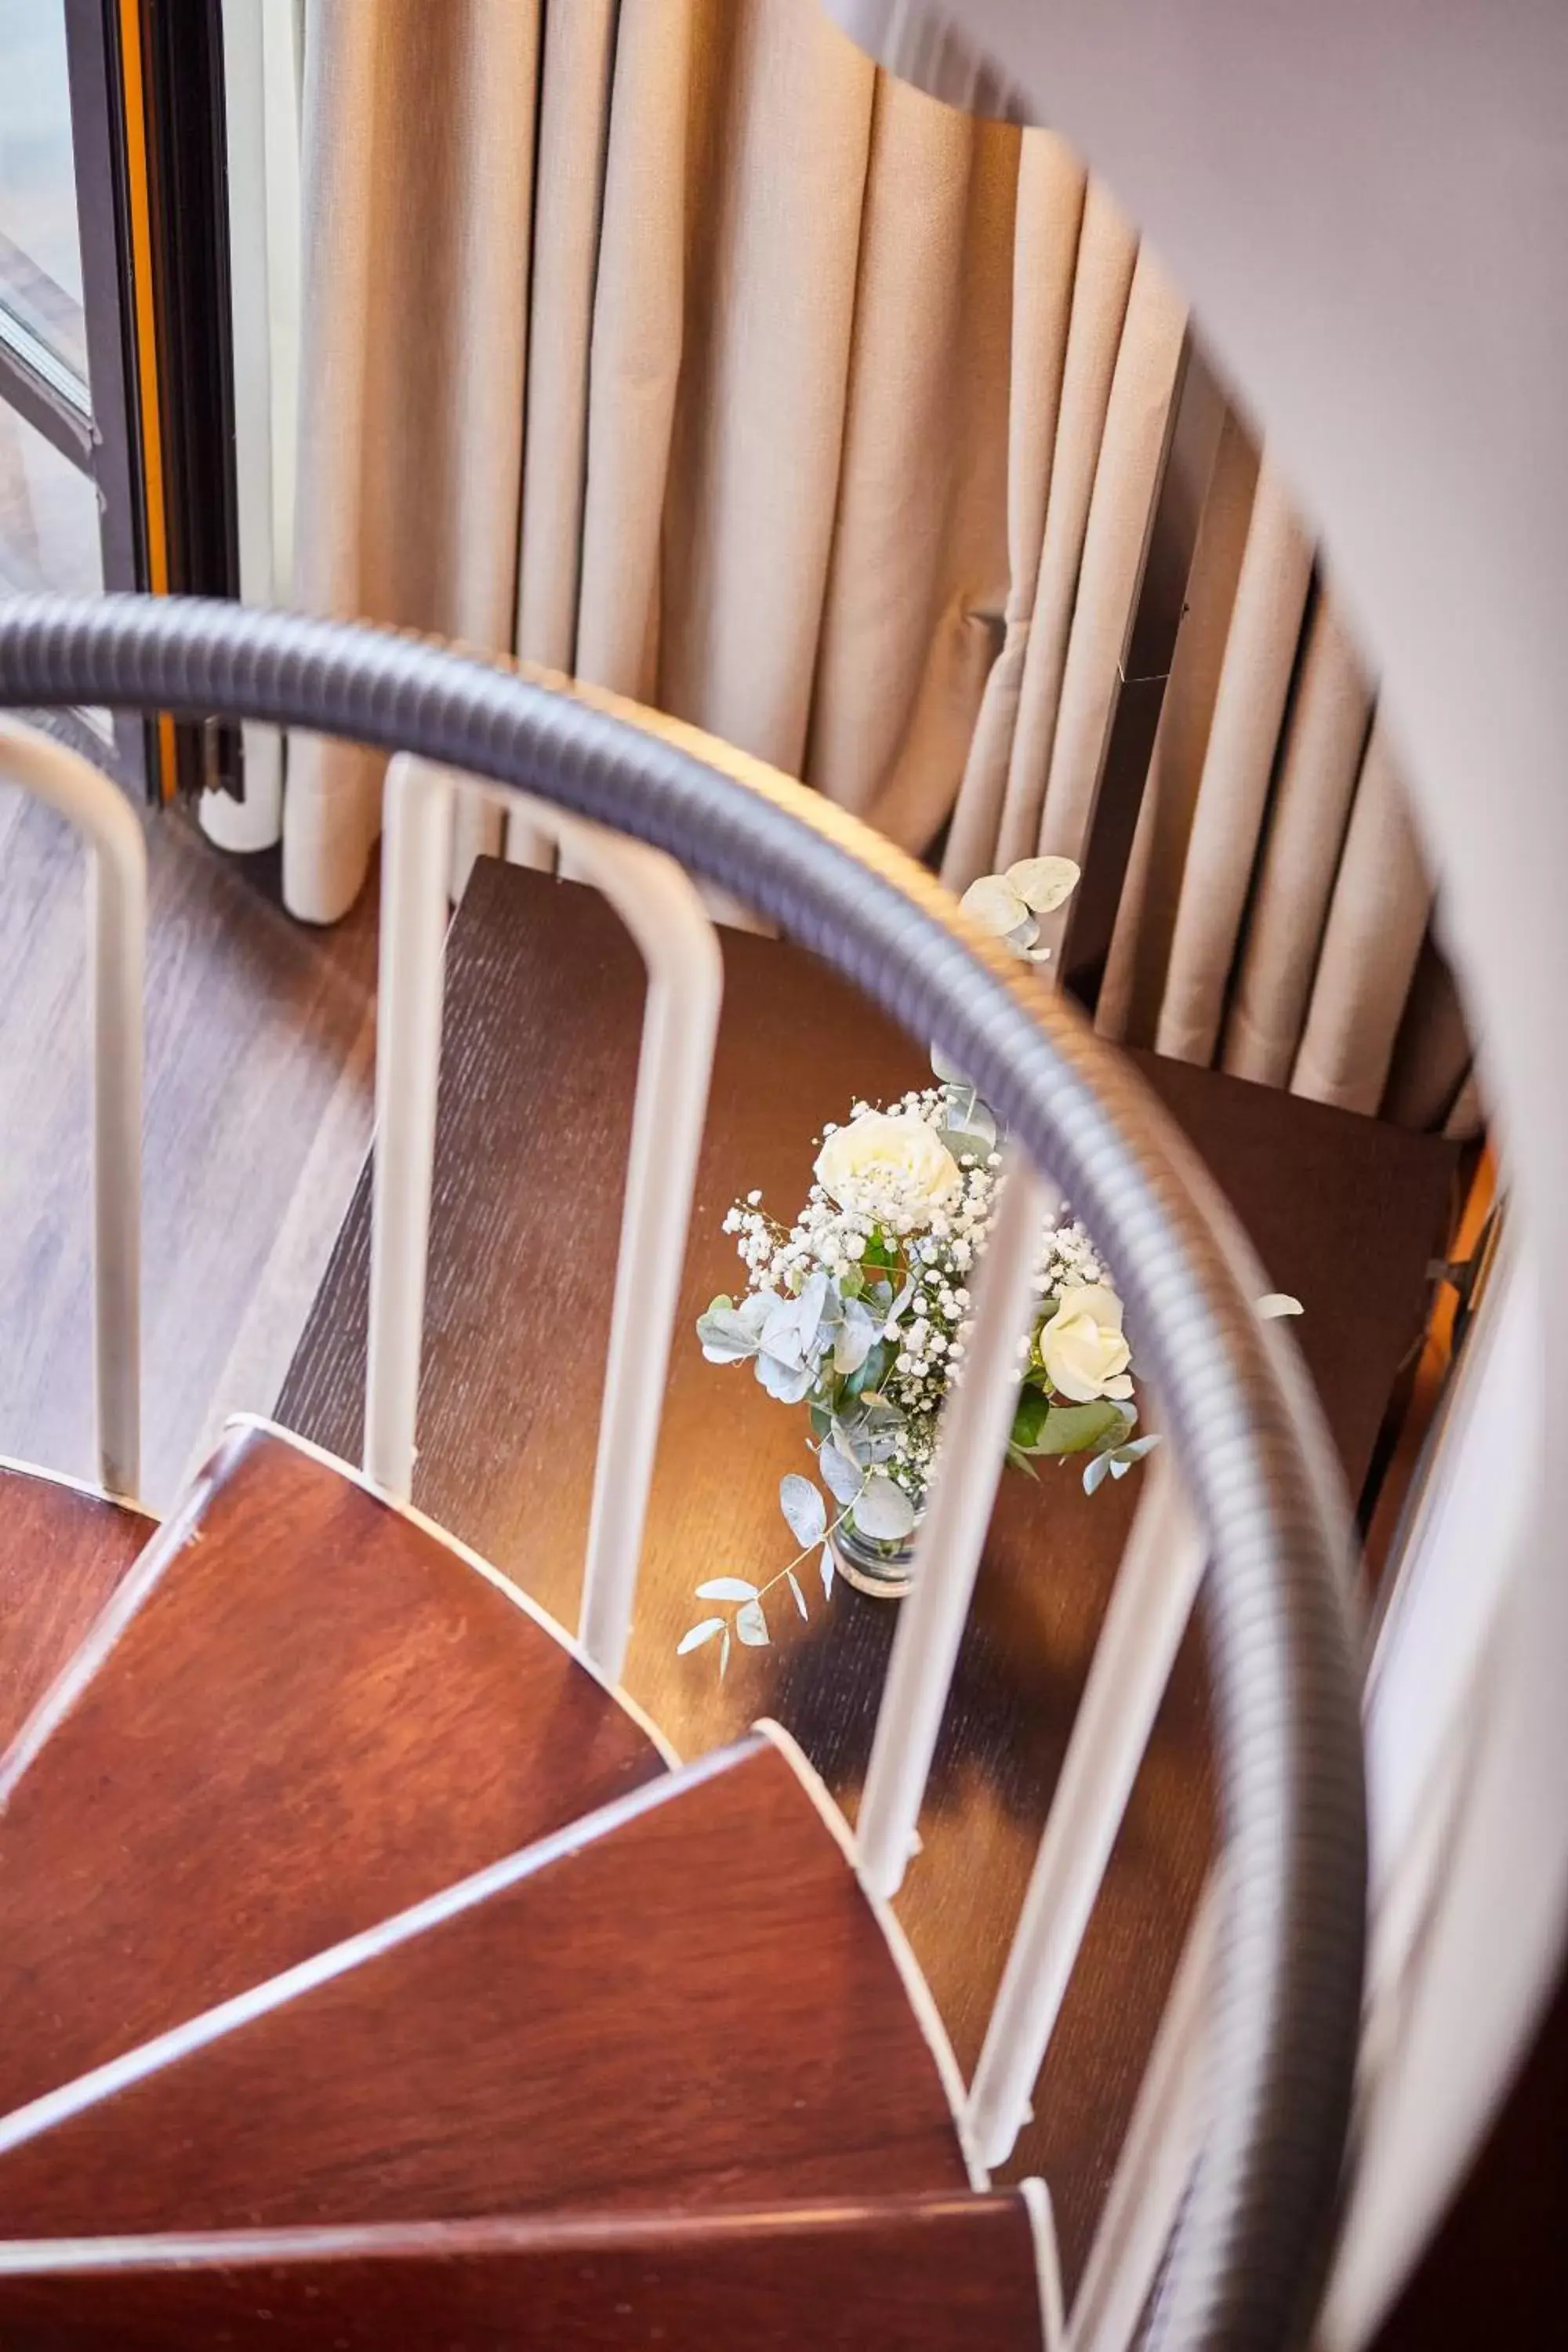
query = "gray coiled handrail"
x=1254 y=2234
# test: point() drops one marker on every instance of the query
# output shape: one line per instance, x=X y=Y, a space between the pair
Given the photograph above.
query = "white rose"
x=879 y=1162
x=1082 y=1348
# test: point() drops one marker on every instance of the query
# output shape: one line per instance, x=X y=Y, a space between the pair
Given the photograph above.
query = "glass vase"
x=879 y=1568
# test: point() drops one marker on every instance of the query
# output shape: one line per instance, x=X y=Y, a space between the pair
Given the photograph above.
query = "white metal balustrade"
x=661 y=908
x=1160 y=1571
x=116 y=935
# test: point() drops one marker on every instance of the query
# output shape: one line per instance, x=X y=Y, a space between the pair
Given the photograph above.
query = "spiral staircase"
x=371 y=1970
x=372 y=1973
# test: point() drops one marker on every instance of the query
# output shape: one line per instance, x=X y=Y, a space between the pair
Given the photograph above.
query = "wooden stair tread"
x=63 y=1549
x=544 y=994
x=889 y=2275
x=316 y=1714
x=693 y=2003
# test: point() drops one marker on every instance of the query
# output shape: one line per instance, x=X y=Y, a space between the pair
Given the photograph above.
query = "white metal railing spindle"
x=947 y=1550
x=117 y=933
x=414 y=859
x=1150 y=1606
x=1157 y=2156
x=661 y=908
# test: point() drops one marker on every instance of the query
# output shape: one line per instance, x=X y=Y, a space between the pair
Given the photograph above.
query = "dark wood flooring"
x=543 y=1002
x=259 y=1066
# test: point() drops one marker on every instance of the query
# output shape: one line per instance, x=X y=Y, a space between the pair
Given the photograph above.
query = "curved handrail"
x=116 y=932
x=1287 y=2007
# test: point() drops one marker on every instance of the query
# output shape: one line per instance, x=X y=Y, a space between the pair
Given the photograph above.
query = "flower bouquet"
x=860 y=1308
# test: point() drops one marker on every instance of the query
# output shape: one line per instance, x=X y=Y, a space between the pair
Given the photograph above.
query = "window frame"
x=152 y=428
x=92 y=425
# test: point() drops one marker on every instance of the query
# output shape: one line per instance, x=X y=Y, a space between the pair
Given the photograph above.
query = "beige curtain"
x=669 y=343
x=1276 y=915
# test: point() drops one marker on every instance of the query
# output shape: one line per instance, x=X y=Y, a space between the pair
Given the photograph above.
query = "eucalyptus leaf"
x=726 y=1588
x=825 y=1568
x=1276 y=1303
x=818 y=1302
x=974 y=1131
x=780 y=1335
x=896 y=1310
x=878 y=1429
x=788 y=1382
x=731 y=1334
x=698 y=1634
x=803 y=1507
x=1043 y=883
x=884 y=1511
x=793 y=1331
x=855 y=1339
x=868 y=1432
x=723 y=1657
x=872 y=1369
x=752 y=1626
x=794 y=1587
x=1139 y=1447
x=846 y=1440
x=841 y=1474
x=993 y=902
x=1096 y=1472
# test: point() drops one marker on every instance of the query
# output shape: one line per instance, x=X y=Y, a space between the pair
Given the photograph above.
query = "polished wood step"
x=545 y=997
x=688 y=2002
x=63 y=1549
x=866 y=2273
x=302 y=1712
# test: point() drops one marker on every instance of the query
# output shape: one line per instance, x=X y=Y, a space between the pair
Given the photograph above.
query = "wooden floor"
x=259 y=1060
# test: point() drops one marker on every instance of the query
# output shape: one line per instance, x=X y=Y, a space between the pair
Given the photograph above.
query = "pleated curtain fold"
x=670 y=344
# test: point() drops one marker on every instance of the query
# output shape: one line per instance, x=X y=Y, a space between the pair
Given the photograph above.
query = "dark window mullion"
x=188 y=165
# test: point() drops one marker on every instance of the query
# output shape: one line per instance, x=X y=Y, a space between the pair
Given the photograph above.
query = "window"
x=70 y=495
x=116 y=389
